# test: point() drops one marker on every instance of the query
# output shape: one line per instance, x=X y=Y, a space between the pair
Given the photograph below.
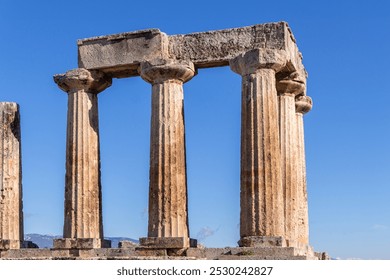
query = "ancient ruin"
x=273 y=197
x=11 y=215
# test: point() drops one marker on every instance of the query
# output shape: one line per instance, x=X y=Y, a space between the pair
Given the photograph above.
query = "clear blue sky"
x=345 y=45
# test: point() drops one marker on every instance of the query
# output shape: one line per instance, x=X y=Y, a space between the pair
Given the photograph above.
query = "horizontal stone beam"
x=216 y=48
x=120 y=55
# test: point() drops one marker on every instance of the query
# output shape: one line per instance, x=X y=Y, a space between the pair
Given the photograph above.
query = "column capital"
x=303 y=104
x=290 y=83
x=160 y=70
x=92 y=81
x=253 y=60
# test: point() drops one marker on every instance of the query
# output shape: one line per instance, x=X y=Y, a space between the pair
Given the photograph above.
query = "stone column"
x=11 y=213
x=261 y=198
x=303 y=104
x=83 y=226
x=288 y=87
x=168 y=218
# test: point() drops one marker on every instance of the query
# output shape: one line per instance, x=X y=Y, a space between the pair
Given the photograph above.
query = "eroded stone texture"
x=273 y=188
x=288 y=88
x=303 y=104
x=216 y=48
x=11 y=207
x=261 y=196
x=83 y=207
x=119 y=55
x=168 y=216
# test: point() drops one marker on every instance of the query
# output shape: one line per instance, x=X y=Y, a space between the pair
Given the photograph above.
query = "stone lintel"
x=262 y=241
x=81 y=243
x=216 y=48
x=167 y=242
x=119 y=55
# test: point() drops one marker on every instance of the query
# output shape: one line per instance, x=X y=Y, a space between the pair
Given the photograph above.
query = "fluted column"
x=11 y=208
x=261 y=197
x=288 y=87
x=83 y=226
x=303 y=104
x=168 y=217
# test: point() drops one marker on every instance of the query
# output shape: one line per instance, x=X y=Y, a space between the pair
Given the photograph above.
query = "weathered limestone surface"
x=83 y=209
x=261 y=196
x=288 y=88
x=216 y=48
x=119 y=55
x=168 y=242
x=303 y=104
x=11 y=207
x=273 y=218
x=137 y=253
x=168 y=184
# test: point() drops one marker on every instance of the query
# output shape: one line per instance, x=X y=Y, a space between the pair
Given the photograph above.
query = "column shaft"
x=288 y=86
x=261 y=197
x=261 y=194
x=11 y=215
x=168 y=186
x=168 y=217
x=83 y=225
x=289 y=164
x=303 y=215
x=303 y=105
x=83 y=217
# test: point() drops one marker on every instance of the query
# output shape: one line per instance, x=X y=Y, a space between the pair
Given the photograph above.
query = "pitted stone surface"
x=82 y=79
x=261 y=197
x=166 y=242
x=11 y=206
x=139 y=253
x=83 y=209
x=168 y=217
x=119 y=55
x=288 y=87
x=256 y=59
x=160 y=70
x=216 y=48
x=81 y=243
x=303 y=104
x=262 y=241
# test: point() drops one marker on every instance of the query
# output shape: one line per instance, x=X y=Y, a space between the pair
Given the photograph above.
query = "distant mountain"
x=42 y=240
x=46 y=240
